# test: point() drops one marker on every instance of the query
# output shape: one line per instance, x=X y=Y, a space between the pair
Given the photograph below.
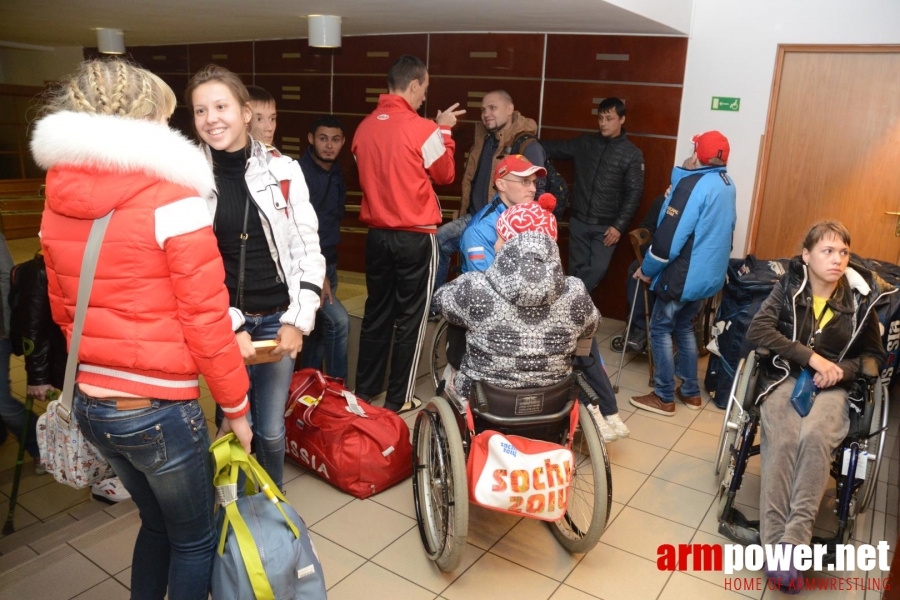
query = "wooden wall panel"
x=358 y=94
x=374 y=54
x=161 y=59
x=290 y=56
x=298 y=92
x=444 y=91
x=464 y=136
x=649 y=109
x=235 y=56
x=621 y=58
x=178 y=82
x=502 y=61
x=490 y=55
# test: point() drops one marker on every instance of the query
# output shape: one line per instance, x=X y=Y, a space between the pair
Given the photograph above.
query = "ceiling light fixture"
x=324 y=31
x=110 y=41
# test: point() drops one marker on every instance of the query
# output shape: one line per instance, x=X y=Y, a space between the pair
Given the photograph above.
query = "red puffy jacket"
x=158 y=313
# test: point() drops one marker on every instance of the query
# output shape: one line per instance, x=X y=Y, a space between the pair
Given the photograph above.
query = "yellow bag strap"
x=230 y=458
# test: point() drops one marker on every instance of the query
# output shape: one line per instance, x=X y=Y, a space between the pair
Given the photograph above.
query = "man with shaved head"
x=502 y=131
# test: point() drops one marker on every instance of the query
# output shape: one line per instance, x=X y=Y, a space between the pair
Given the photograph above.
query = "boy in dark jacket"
x=328 y=196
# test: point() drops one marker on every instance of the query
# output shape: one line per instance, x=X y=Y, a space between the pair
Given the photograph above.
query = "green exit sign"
x=730 y=104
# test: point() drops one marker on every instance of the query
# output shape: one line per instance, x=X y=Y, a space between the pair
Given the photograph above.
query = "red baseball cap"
x=711 y=144
x=516 y=164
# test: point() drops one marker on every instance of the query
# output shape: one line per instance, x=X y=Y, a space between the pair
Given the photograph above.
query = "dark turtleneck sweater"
x=263 y=289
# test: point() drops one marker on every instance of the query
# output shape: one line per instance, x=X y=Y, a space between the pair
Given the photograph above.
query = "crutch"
x=9 y=527
x=638 y=238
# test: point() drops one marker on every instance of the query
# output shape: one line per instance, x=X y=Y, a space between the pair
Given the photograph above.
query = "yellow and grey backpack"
x=265 y=551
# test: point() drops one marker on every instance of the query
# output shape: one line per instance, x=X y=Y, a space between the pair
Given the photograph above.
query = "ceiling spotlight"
x=324 y=31
x=110 y=41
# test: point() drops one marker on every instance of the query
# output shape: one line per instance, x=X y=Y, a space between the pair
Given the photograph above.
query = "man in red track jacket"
x=399 y=155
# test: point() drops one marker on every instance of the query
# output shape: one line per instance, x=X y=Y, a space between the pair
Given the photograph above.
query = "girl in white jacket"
x=266 y=230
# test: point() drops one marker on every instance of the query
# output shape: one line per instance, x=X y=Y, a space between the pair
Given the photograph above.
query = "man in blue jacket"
x=328 y=196
x=686 y=262
x=515 y=180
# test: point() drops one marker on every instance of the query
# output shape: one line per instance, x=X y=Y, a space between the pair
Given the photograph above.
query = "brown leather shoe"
x=692 y=402
x=654 y=404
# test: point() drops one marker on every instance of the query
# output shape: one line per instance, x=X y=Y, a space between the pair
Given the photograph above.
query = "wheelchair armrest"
x=583 y=347
x=585 y=388
x=480 y=399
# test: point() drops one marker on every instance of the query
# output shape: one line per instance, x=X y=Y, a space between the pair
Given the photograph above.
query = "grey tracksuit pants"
x=796 y=454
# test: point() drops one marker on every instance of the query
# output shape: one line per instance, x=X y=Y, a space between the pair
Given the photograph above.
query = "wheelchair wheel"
x=440 y=492
x=734 y=414
x=617 y=343
x=590 y=495
x=439 y=352
x=875 y=445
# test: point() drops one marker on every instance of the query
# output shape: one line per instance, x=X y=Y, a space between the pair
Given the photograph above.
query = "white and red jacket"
x=158 y=313
x=399 y=154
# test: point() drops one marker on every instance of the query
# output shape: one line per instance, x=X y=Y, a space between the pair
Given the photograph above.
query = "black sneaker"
x=637 y=341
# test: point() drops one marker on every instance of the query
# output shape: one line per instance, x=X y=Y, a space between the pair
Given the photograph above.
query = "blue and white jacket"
x=477 y=242
x=689 y=252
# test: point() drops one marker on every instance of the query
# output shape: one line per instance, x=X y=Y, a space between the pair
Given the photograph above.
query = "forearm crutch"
x=625 y=339
x=9 y=527
x=640 y=237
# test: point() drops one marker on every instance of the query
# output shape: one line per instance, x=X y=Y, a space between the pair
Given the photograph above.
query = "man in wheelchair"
x=822 y=334
x=523 y=315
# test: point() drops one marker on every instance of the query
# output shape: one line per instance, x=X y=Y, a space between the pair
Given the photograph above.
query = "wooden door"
x=832 y=150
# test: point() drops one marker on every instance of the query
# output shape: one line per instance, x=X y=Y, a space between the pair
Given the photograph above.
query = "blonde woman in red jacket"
x=158 y=312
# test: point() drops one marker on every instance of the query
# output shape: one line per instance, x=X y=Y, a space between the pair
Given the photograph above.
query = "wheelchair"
x=441 y=441
x=855 y=486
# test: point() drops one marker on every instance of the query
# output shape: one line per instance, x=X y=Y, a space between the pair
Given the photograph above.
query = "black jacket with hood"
x=852 y=338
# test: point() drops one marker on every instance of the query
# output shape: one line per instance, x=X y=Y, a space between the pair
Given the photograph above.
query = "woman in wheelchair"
x=820 y=319
x=523 y=315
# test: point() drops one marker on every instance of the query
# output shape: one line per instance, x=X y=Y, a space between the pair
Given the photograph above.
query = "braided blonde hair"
x=113 y=87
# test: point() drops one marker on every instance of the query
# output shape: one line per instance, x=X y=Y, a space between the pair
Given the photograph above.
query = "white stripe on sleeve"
x=433 y=148
x=180 y=217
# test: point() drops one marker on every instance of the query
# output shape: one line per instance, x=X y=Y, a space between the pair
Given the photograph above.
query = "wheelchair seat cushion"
x=526 y=402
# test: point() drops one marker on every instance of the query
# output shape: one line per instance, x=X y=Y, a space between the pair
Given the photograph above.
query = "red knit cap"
x=529 y=216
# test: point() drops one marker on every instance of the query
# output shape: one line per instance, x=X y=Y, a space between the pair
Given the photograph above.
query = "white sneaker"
x=618 y=426
x=110 y=490
x=605 y=430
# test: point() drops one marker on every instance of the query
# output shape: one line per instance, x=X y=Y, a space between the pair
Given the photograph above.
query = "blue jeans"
x=448 y=242
x=12 y=413
x=269 y=387
x=328 y=341
x=161 y=454
x=674 y=320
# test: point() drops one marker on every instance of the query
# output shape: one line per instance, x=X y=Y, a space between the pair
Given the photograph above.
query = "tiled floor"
x=67 y=546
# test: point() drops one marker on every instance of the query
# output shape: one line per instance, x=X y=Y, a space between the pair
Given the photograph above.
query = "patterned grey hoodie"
x=523 y=316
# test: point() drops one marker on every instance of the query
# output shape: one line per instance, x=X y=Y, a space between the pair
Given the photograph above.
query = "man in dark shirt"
x=496 y=136
x=328 y=196
x=609 y=182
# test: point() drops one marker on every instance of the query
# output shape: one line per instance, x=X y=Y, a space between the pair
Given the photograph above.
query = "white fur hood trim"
x=121 y=145
x=857 y=282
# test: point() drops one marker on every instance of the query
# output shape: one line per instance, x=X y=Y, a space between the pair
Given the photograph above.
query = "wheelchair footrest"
x=737 y=528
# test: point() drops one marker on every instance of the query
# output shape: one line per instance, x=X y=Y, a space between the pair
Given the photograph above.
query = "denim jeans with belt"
x=674 y=319
x=269 y=386
x=161 y=454
x=328 y=341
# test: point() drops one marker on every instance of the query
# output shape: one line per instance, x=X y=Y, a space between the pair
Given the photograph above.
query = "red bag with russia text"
x=520 y=476
x=359 y=448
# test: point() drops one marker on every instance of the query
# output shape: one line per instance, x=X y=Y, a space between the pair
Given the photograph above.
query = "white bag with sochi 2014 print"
x=520 y=476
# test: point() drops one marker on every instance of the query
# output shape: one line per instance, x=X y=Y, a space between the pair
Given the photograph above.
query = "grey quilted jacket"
x=523 y=315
